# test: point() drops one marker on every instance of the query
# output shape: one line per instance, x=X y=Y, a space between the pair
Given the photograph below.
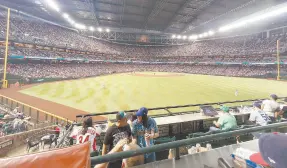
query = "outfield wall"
x=12 y=79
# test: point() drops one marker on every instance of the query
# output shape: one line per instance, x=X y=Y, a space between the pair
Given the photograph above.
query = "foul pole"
x=5 y=82
x=278 y=59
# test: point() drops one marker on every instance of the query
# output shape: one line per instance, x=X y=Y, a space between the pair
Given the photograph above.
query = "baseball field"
x=151 y=89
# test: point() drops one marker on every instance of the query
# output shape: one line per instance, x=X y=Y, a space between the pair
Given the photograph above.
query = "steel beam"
x=123 y=11
x=158 y=6
x=128 y=5
x=207 y=3
x=190 y=27
x=118 y=13
x=183 y=6
x=93 y=11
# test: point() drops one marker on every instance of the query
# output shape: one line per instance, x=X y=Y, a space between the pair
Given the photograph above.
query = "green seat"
x=164 y=140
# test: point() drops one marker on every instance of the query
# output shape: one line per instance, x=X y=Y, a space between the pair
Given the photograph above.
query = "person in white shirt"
x=258 y=116
x=16 y=110
x=88 y=134
x=271 y=107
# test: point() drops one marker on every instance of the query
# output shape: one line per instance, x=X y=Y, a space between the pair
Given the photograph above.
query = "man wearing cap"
x=116 y=132
x=273 y=150
x=258 y=116
x=271 y=107
x=225 y=122
x=144 y=131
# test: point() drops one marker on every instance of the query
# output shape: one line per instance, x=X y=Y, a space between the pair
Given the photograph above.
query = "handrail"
x=179 y=143
x=43 y=111
x=171 y=107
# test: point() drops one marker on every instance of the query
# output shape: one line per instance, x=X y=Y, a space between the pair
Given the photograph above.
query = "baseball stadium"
x=143 y=83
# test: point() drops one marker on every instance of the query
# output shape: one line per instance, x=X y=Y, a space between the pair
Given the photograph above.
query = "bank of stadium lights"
x=263 y=16
x=80 y=26
x=193 y=37
x=100 y=29
x=184 y=37
x=210 y=32
x=108 y=30
x=178 y=37
x=53 y=5
x=65 y=15
x=91 y=28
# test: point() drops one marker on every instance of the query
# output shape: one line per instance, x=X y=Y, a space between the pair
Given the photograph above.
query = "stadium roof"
x=154 y=16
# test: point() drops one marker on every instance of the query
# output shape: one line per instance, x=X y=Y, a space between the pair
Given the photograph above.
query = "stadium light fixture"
x=91 y=28
x=179 y=37
x=108 y=30
x=65 y=15
x=210 y=32
x=184 y=37
x=71 y=21
x=205 y=34
x=173 y=36
x=53 y=5
x=193 y=37
x=80 y=26
x=263 y=15
x=100 y=29
x=200 y=36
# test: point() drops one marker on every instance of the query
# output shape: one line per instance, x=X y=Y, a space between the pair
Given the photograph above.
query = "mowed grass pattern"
x=131 y=91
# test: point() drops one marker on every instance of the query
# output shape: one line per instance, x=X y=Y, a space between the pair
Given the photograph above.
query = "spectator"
x=129 y=162
x=258 y=116
x=271 y=107
x=19 y=115
x=273 y=149
x=57 y=131
x=144 y=131
x=283 y=109
x=116 y=132
x=88 y=134
x=16 y=110
x=225 y=122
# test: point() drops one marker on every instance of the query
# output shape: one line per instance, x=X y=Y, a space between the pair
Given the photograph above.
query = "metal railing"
x=179 y=143
x=169 y=113
x=37 y=115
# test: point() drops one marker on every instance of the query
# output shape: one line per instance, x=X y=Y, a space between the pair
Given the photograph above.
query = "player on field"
x=236 y=93
x=88 y=134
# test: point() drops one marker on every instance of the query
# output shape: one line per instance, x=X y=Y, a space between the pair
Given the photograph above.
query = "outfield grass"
x=131 y=91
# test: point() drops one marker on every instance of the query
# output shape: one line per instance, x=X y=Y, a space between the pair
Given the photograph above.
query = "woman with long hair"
x=144 y=131
x=88 y=133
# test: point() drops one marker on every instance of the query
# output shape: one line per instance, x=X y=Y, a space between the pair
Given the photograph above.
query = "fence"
x=179 y=110
x=177 y=144
x=38 y=116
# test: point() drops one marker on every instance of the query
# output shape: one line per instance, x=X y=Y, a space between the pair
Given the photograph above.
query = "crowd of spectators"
x=85 y=70
x=30 y=52
x=240 y=49
x=12 y=121
x=39 y=32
